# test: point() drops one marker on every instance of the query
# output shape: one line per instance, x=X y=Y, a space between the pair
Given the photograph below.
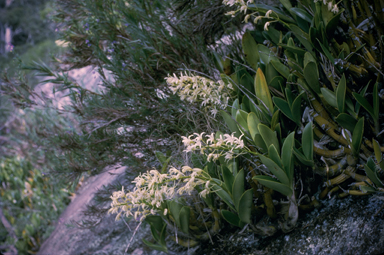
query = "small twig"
x=133 y=235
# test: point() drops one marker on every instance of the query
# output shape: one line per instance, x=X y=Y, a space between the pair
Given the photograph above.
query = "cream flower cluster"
x=241 y=3
x=228 y=145
x=213 y=96
x=153 y=188
x=244 y=7
x=331 y=7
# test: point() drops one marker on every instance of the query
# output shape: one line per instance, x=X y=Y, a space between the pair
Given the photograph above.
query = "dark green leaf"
x=268 y=136
x=346 y=121
x=250 y=49
x=228 y=178
x=283 y=106
x=364 y=103
x=301 y=36
x=302 y=158
x=231 y=123
x=340 y=94
x=312 y=76
x=302 y=14
x=184 y=219
x=296 y=109
x=281 y=68
x=238 y=188
x=275 y=170
x=370 y=170
x=357 y=136
x=245 y=206
x=223 y=195
x=329 y=96
x=241 y=118
x=273 y=184
x=253 y=121
x=231 y=217
x=307 y=141
x=286 y=155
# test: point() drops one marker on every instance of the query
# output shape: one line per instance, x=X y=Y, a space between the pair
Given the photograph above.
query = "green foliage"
x=31 y=203
x=296 y=106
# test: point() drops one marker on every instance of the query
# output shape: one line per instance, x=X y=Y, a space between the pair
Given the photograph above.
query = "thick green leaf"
x=286 y=155
x=275 y=119
x=275 y=170
x=378 y=155
x=238 y=188
x=266 y=55
x=277 y=82
x=161 y=157
x=294 y=49
x=253 y=121
x=367 y=189
x=231 y=217
x=241 y=118
x=270 y=73
x=268 y=136
x=302 y=14
x=362 y=94
x=329 y=96
x=302 y=158
x=289 y=96
x=260 y=144
x=283 y=106
x=231 y=123
x=223 y=195
x=370 y=170
x=273 y=184
x=235 y=107
x=326 y=52
x=272 y=35
x=330 y=27
x=262 y=90
x=287 y=4
x=157 y=247
x=245 y=104
x=308 y=58
x=296 y=109
x=255 y=109
x=250 y=49
x=281 y=68
x=303 y=84
x=302 y=37
x=357 y=136
x=346 y=121
x=184 y=219
x=155 y=221
x=174 y=209
x=275 y=156
x=163 y=160
x=350 y=107
x=307 y=141
x=232 y=166
x=312 y=76
x=245 y=206
x=245 y=81
x=228 y=178
x=340 y=94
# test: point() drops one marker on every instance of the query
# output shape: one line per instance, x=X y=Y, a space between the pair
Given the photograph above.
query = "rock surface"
x=354 y=225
